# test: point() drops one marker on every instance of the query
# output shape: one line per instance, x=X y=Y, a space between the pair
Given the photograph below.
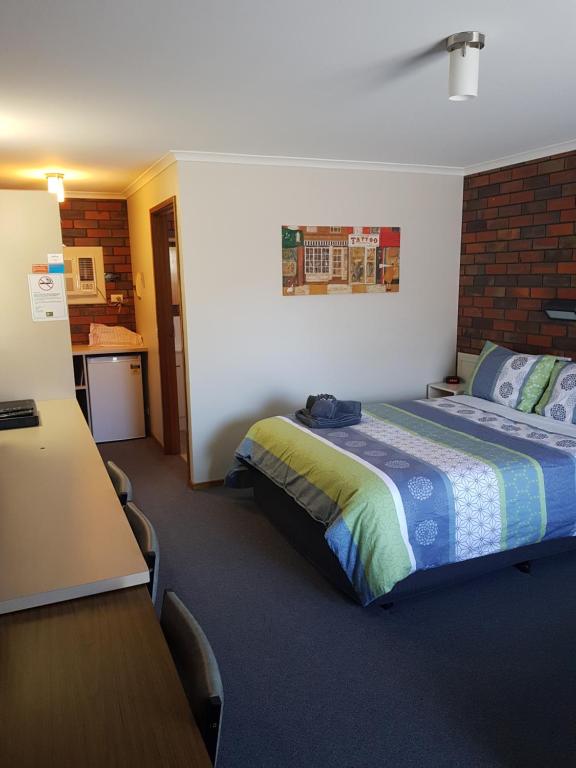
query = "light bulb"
x=56 y=185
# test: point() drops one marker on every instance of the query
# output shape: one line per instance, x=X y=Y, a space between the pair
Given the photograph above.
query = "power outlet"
x=117 y=298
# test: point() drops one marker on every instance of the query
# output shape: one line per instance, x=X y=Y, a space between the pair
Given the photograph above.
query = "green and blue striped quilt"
x=420 y=484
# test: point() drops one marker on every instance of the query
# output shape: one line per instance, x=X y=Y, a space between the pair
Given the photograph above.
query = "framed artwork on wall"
x=320 y=260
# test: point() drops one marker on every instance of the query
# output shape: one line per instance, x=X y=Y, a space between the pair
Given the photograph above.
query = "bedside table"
x=441 y=389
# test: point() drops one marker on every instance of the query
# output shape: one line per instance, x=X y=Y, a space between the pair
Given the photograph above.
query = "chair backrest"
x=145 y=535
x=120 y=481
x=197 y=667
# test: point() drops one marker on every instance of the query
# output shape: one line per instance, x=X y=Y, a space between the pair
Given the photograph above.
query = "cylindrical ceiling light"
x=464 y=49
x=56 y=185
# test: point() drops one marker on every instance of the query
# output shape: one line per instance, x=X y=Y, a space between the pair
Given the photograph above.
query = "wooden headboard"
x=465 y=364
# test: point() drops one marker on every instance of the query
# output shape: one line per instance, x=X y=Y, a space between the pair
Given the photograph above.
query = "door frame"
x=159 y=231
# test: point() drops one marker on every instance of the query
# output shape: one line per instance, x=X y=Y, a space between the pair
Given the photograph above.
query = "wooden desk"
x=63 y=533
x=90 y=683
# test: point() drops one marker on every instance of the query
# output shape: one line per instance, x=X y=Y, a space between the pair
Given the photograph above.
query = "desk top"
x=91 y=683
x=63 y=533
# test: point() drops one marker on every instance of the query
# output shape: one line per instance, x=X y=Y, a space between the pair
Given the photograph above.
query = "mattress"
x=421 y=484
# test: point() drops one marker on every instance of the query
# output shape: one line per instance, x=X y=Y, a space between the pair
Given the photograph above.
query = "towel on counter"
x=325 y=411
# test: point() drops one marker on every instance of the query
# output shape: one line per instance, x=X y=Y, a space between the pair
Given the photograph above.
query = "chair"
x=120 y=481
x=197 y=667
x=145 y=535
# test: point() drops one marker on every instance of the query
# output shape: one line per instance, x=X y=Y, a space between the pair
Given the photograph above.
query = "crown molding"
x=147 y=175
x=192 y=156
x=522 y=157
x=311 y=162
x=95 y=195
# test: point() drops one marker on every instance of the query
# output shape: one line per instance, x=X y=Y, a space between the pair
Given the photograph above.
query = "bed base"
x=524 y=567
x=307 y=536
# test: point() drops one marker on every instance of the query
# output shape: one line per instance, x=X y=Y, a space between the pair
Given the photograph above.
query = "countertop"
x=86 y=349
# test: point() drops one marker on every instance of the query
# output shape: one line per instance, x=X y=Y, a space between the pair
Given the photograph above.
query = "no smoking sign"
x=46 y=283
x=47 y=297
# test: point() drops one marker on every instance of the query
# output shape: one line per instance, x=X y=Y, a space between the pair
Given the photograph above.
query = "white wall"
x=160 y=188
x=35 y=357
x=253 y=352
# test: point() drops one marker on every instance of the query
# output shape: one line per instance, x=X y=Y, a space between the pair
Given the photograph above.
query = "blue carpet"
x=481 y=675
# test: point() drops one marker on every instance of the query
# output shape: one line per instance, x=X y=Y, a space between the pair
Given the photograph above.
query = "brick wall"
x=518 y=251
x=104 y=223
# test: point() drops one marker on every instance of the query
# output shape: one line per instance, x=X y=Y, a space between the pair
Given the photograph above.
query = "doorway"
x=170 y=329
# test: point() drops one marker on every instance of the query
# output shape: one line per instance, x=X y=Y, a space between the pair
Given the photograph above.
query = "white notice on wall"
x=47 y=297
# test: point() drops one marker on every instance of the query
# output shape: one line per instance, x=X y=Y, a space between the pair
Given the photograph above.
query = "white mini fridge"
x=116 y=397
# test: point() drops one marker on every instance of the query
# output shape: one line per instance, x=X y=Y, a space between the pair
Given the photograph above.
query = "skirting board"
x=206 y=484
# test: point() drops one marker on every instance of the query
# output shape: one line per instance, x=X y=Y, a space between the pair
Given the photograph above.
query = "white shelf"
x=441 y=389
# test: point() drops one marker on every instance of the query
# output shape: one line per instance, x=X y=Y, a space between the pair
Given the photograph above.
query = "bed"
x=420 y=493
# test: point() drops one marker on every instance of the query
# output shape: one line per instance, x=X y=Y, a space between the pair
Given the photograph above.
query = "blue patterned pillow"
x=509 y=378
x=559 y=400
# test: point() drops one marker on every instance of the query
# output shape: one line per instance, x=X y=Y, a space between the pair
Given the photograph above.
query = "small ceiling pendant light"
x=464 y=49
x=56 y=185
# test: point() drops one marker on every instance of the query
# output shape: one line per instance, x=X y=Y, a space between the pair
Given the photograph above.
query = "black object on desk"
x=18 y=413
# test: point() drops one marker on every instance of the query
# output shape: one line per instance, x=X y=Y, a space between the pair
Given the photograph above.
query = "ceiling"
x=103 y=89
